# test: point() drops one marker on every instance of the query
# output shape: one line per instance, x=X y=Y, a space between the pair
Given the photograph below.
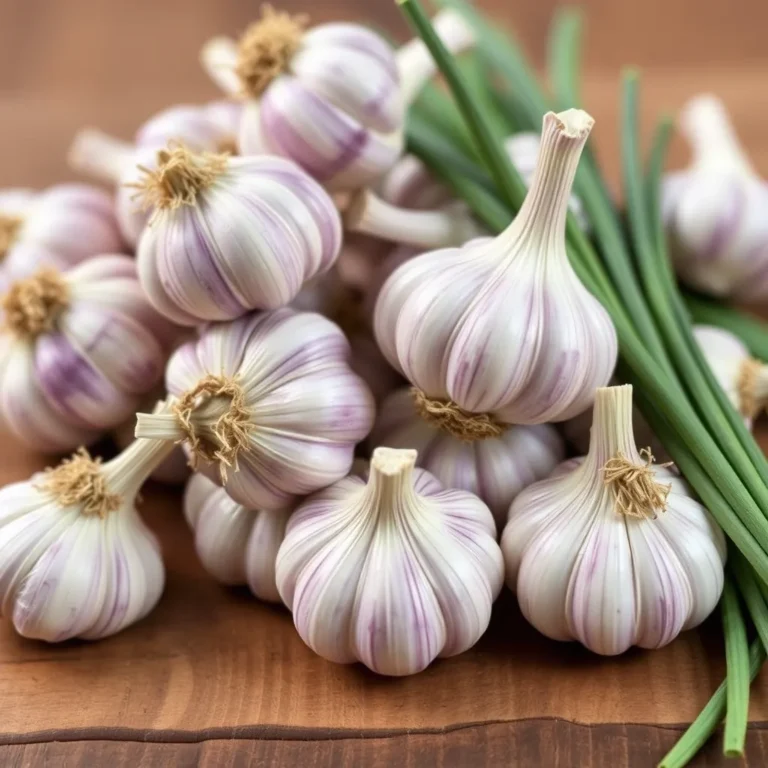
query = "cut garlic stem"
x=612 y=431
x=219 y=59
x=415 y=64
x=131 y=469
x=159 y=426
x=100 y=155
x=390 y=482
x=705 y=123
x=369 y=214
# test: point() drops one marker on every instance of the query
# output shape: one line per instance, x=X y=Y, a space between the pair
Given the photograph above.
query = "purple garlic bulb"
x=78 y=349
x=266 y=405
x=236 y=545
x=502 y=331
x=58 y=227
x=394 y=571
x=331 y=98
x=495 y=469
x=232 y=234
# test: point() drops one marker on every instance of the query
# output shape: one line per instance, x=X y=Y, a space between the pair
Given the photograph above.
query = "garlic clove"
x=267 y=534
x=391 y=572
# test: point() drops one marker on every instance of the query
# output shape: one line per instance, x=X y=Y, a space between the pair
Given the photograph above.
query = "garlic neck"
x=179 y=177
x=543 y=213
x=266 y=48
x=100 y=155
x=127 y=472
x=10 y=226
x=715 y=146
x=32 y=306
x=389 y=490
x=612 y=432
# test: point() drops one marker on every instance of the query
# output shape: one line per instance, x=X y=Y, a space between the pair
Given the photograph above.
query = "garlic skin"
x=236 y=545
x=584 y=569
x=267 y=406
x=495 y=470
x=331 y=98
x=78 y=349
x=231 y=234
x=502 y=327
x=76 y=559
x=392 y=572
x=715 y=209
x=59 y=227
x=201 y=128
x=744 y=379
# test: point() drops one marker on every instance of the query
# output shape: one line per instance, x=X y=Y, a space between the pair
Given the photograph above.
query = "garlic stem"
x=159 y=426
x=714 y=143
x=130 y=470
x=390 y=482
x=100 y=155
x=415 y=64
x=219 y=60
x=612 y=431
x=369 y=214
x=544 y=210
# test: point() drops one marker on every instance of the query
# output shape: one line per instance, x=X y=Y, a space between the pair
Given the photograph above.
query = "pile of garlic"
x=313 y=295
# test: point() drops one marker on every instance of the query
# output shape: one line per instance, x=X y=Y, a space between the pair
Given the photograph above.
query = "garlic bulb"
x=744 y=379
x=715 y=210
x=59 y=227
x=78 y=349
x=501 y=330
x=236 y=545
x=392 y=572
x=611 y=550
x=332 y=98
x=76 y=560
x=495 y=469
x=207 y=128
x=231 y=234
x=266 y=405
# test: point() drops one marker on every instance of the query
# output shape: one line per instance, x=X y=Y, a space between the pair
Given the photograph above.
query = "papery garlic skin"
x=331 y=98
x=743 y=379
x=715 y=210
x=248 y=236
x=495 y=469
x=303 y=410
x=392 y=572
x=584 y=570
x=60 y=227
x=67 y=572
x=78 y=349
x=236 y=545
x=503 y=326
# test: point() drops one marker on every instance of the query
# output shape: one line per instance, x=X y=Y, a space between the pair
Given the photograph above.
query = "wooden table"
x=213 y=677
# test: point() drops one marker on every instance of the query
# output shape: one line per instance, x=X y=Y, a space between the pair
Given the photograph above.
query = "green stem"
x=737 y=672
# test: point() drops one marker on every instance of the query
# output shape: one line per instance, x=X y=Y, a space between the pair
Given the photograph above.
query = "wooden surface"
x=214 y=678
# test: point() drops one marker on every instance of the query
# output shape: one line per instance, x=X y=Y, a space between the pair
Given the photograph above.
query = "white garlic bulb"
x=392 y=572
x=744 y=379
x=231 y=234
x=76 y=560
x=501 y=330
x=611 y=550
x=331 y=98
x=715 y=210
x=495 y=469
x=266 y=405
x=59 y=227
x=78 y=349
x=236 y=545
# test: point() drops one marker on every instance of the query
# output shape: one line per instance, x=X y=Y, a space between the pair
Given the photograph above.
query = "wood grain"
x=214 y=678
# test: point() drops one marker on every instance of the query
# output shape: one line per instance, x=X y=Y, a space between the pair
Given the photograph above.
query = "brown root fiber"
x=9 y=231
x=32 y=305
x=750 y=404
x=179 y=177
x=266 y=48
x=228 y=435
x=446 y=415
x=635 y=488
x=80 y=480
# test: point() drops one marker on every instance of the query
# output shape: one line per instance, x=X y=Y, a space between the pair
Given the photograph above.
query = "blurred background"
x=65 y=64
